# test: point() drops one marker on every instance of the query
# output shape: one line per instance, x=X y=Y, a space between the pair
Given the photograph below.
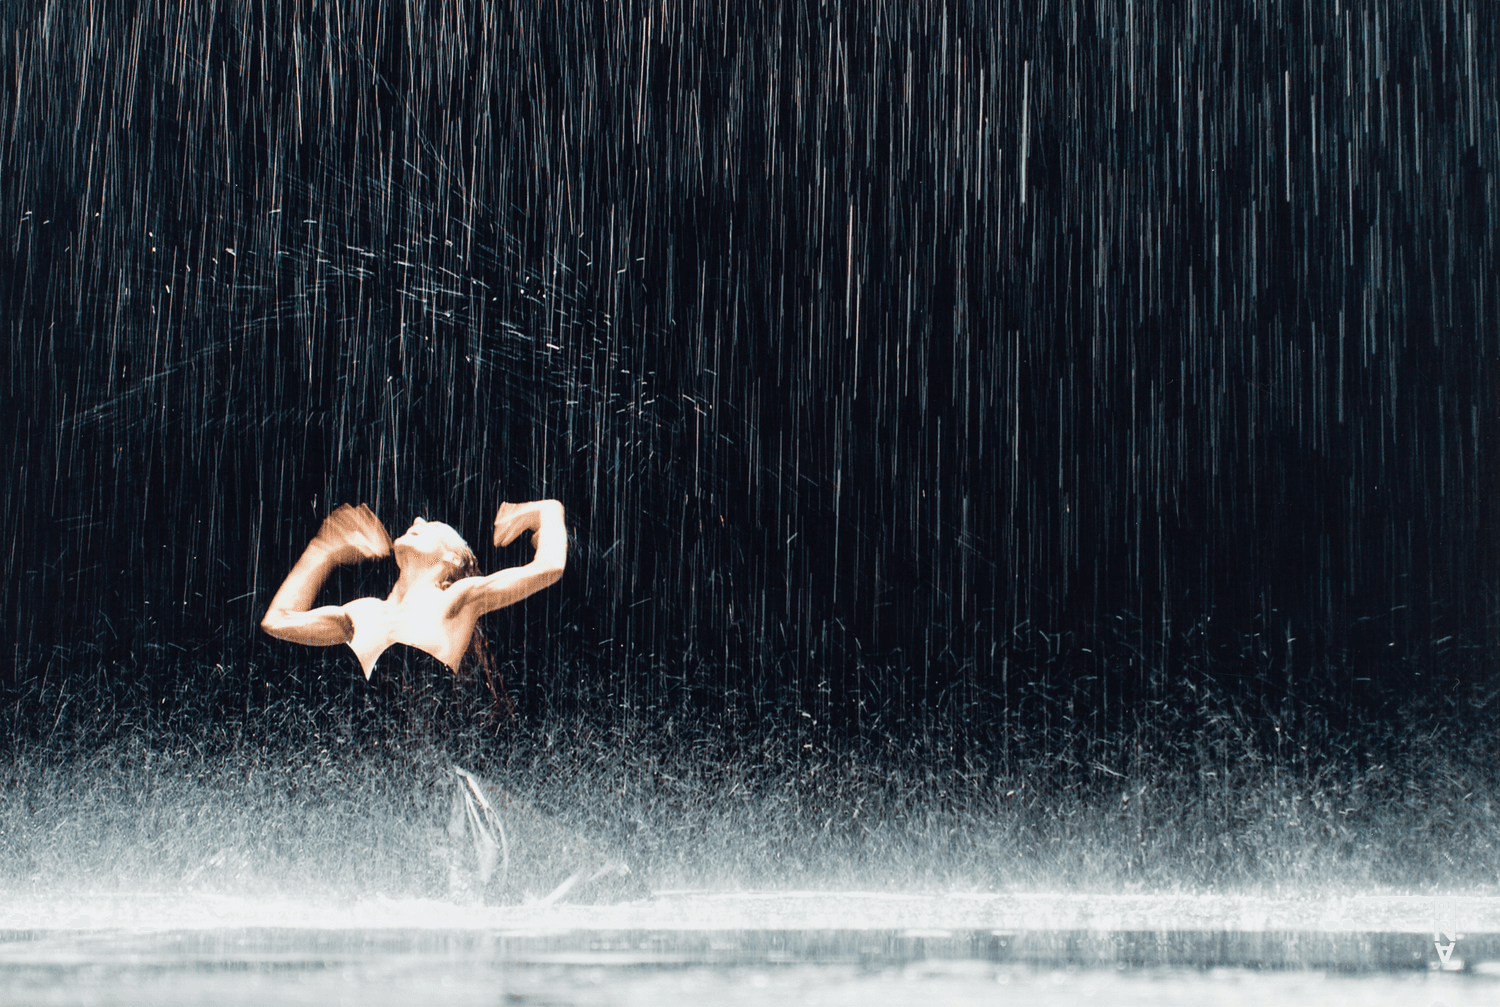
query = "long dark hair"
x=478 y=653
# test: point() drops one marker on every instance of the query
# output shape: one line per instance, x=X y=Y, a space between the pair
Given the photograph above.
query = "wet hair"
x=478 y=653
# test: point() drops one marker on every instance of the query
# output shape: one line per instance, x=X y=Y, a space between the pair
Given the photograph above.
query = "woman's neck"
x=417 y=579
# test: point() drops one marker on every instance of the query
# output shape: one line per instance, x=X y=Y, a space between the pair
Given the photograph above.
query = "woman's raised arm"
x=547 y=522
x=348 y=535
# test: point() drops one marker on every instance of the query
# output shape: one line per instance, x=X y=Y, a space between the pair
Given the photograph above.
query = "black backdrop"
x=889 y=357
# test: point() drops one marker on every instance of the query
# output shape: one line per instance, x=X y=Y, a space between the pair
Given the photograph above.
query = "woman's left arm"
x=547 y=522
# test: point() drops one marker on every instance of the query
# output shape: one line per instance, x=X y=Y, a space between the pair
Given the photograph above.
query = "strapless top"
x=412 y=698
x=402 y=661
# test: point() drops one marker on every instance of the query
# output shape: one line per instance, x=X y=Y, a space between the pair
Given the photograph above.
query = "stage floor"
x=1312 y=912
x=774 y=948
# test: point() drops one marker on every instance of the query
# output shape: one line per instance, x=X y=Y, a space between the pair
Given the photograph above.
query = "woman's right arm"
x=291 y=616
x=348 y=535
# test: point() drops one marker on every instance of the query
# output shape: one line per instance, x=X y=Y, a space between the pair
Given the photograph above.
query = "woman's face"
x=429 y=541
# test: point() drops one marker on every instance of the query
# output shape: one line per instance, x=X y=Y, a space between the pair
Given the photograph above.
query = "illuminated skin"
x=431 y=607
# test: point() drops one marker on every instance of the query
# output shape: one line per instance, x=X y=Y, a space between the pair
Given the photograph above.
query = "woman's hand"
x=352 y=535
x=512 y=520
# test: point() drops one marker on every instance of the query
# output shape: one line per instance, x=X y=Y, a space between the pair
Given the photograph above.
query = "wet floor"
x=780 y=967
x=775 y=948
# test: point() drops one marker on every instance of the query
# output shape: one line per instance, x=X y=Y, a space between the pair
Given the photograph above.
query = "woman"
x=438 y=597
x=434 y=608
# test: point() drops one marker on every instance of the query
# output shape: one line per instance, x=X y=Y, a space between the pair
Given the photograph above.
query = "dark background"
x=848 y=422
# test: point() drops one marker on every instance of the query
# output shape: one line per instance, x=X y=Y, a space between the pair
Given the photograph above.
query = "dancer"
x=434 y=607
x=439 y=594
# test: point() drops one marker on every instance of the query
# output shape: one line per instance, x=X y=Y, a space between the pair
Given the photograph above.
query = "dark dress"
x=414 y=704
x=422 y=721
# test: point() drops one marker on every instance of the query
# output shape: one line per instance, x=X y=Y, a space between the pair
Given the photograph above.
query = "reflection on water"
x=369 y=967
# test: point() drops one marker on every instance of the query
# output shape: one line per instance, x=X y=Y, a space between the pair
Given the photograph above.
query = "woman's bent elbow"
x=276 y=624
x=314 y=629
